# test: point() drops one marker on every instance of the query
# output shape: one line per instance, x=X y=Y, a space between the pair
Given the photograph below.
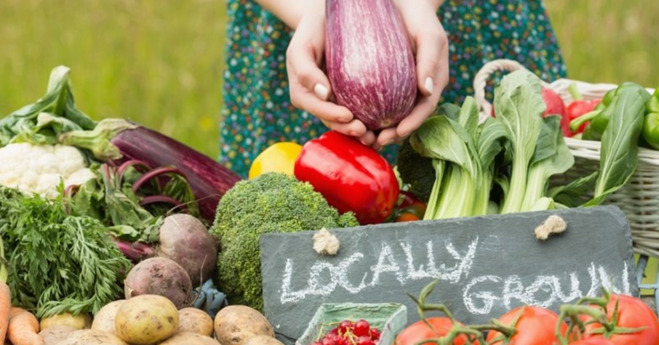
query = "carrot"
x=23 y=328
x=5 y=295
x=5 y=306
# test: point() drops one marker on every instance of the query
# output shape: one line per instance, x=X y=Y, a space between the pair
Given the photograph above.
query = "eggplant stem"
x=154 y=173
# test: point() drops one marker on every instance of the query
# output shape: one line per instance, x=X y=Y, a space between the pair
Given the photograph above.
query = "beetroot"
x=185 y=239
x=160 y=276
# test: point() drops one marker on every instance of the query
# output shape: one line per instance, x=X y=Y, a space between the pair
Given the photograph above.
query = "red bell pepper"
x=580 y=106
x=555 y=106
x=351 y=176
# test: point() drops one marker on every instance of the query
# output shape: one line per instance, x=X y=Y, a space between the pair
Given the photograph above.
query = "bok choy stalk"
x=519 y=105
x=462 y=183
x=552 y=156
x=491 y=139
x=443 y=139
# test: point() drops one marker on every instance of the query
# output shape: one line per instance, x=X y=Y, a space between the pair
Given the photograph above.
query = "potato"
x=195 y=320
x=263 y=340
x=189 y=338
x=55 y=334
x=235 y=324
x=91 y=337
x=160 y=276
x=104 y=318
x=146 y=319
x=80 y=321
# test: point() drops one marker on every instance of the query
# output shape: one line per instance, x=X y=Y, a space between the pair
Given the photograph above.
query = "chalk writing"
x=479 y=293
x=544 y=291
x=486 y=266
x=325 y=277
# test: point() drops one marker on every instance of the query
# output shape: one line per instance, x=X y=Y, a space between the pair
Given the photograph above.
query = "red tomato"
x=407 y=217
x=535 y=326
x=632 y=313
x=593 y=340
x=409 y=209
x=415 y=333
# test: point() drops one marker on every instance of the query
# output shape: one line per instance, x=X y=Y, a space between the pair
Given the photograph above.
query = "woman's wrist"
x=434 y=3
x=437 y=3
x=292 y=11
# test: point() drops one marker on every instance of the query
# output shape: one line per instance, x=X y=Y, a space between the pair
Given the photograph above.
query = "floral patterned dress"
x=256 y=109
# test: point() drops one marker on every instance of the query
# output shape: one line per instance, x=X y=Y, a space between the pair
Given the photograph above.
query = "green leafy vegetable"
x=519 y=104
x=518 y=151
x=57 y=262
x=453 y=153
x=43 y=121
x=619 y=149
x=552 y=156
x=621 y=127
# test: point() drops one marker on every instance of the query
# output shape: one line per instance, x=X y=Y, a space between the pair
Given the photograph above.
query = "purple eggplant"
x=119 y=141
x=369 y=61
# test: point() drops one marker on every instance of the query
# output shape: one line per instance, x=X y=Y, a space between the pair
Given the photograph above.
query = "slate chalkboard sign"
x=485 y=265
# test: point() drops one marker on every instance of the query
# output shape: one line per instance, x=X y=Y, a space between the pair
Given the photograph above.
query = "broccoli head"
x=269 y=203
x=415 y=170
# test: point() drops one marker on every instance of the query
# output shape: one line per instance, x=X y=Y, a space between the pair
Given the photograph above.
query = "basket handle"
x=480 y=81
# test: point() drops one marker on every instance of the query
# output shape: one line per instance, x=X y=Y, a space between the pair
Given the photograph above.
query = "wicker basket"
x=639 y=199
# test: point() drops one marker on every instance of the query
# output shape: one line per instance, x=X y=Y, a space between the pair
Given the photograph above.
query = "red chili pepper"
x=351 y=176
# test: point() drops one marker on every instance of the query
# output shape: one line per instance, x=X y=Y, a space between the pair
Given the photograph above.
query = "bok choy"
x=514 y=154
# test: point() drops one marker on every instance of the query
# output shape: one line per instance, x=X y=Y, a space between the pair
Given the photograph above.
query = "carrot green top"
x=256 y=109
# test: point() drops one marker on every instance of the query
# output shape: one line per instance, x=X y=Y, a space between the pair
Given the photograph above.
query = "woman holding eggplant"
x=275 y=88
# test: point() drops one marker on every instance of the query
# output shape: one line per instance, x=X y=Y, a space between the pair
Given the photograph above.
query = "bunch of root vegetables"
x=157 y=308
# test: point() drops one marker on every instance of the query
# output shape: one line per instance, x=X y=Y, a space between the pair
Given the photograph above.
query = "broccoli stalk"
x=269 y=203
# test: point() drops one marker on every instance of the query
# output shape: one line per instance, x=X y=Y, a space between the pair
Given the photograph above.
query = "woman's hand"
x=430 y=44
x=309 y=87
x=310 y=90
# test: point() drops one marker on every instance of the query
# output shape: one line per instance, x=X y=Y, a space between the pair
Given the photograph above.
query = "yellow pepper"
x=278 y=157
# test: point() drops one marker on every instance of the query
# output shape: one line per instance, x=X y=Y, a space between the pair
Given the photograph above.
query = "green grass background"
x=159 y=62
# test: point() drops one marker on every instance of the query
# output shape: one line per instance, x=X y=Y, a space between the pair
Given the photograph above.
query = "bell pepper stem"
x=576 y=123
x=576 y=95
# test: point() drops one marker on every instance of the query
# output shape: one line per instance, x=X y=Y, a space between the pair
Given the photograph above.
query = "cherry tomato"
x=375 y=334
x=632 y=313
x=361 y=328
x=535 y=326
x=365 y=340
x=415 y=333
x=344 y=326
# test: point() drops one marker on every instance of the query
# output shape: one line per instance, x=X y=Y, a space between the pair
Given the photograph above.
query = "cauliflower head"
x=40 y=168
